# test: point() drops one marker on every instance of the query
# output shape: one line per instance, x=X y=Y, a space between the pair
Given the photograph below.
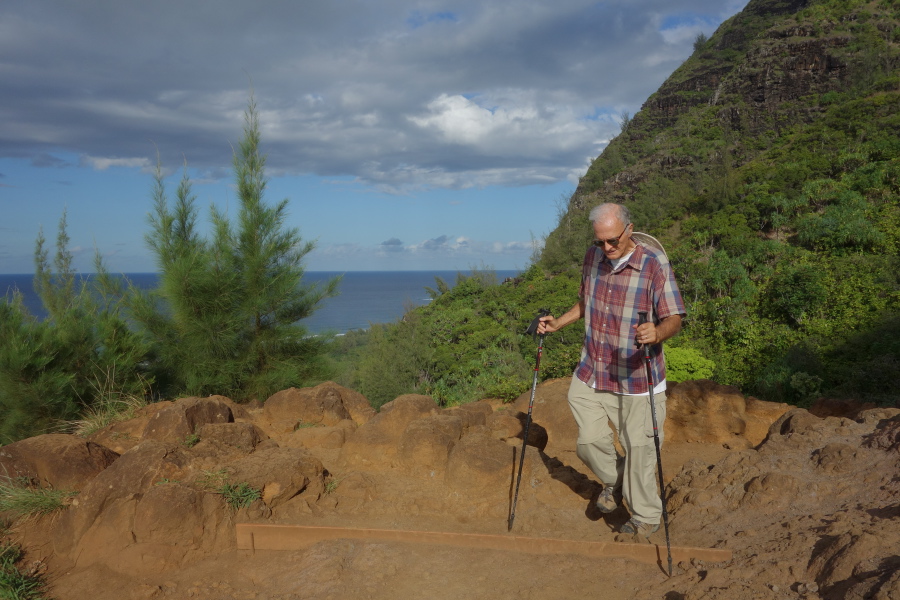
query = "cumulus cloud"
x=393 y=94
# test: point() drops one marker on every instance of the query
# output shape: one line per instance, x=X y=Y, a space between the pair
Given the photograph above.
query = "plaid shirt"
x=611 y=360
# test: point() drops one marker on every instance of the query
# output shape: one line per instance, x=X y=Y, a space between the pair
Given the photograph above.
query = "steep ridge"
x=767 y=165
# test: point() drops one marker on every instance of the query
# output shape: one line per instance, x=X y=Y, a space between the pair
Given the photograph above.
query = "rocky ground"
x=808 y=505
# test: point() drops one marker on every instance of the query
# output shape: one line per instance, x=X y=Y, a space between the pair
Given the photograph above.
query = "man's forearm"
x=668 y=327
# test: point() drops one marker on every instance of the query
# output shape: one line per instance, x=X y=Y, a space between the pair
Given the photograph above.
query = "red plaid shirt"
x=610 y=359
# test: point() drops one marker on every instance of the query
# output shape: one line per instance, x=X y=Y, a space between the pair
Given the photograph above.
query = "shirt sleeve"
x=668 y=301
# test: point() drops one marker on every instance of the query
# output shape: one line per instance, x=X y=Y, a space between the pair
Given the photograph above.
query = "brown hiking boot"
x=633 y=527
x=609 y=499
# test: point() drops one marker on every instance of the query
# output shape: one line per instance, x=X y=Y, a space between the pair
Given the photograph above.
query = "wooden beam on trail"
x=262 y=536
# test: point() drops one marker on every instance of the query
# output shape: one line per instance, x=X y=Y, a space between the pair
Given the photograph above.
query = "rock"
x=796 y=420
x=243 y=436
x=505 y=426
x=122 y=436
x=772 y=490
x=280 y=473
x=472 y=415
x=184 y=418
x=835 y=458
x=886 y=435
x=326 y=404
x=60 y=461
x=704 y=411
x=425 y=445
x=100 y=521
x=329 y=438
x=479 y=467
x=226 y=441
x=556 y=425
x=374 y=444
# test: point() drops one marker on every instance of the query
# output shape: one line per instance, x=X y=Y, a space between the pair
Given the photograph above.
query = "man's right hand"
x=547 y=324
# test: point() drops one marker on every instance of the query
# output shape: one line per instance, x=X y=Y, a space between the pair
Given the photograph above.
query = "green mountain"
x=769 y=166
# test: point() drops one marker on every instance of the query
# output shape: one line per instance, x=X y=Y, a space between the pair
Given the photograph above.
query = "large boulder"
x=556 y=428
x=426 y=443
x=326 y=404
x=100 y=522
x=177 y=421
x=479 y=467
x=122 y=436
x=60 y=461
x=705 y=411
x=374 y=444
x=223 y=442
x=325 y=437
x=280 y=473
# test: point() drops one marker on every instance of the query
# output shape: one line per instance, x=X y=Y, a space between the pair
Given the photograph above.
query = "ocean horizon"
x=365 y=297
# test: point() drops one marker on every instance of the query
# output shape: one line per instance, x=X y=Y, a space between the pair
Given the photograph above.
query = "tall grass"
x=22 y=500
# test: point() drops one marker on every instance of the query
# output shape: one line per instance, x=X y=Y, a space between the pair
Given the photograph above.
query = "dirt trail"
x=808 y=506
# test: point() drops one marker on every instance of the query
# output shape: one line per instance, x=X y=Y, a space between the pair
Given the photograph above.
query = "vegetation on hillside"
x=782 y=217
x=775 y=187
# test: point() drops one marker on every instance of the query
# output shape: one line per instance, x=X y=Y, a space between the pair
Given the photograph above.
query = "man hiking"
x=620 y=278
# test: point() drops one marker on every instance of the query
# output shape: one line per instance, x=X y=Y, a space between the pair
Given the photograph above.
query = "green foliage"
x=225 y=318
x=77 y=358
x=469 y=342
x=685 y=364
x=14 y=584
x=239 y=495
x=782 y=221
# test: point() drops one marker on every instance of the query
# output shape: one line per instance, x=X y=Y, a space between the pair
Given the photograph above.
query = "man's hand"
x=550 y=323
x=648 y=333
x=547 y=324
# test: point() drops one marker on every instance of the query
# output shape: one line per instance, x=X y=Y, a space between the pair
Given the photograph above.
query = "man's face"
x=612 y=229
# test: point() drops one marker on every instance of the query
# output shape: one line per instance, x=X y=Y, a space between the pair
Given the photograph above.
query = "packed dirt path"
x=808 y=506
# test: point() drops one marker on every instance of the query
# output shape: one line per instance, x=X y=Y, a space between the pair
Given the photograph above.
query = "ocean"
x=365 y=297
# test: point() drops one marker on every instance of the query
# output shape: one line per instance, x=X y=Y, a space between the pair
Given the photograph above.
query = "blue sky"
x=407 y=134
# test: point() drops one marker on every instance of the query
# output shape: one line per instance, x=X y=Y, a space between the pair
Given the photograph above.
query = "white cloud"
x=396 y=94
x=100 y=163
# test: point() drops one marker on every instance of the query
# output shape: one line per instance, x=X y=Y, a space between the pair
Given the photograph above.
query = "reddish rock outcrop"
x=326 y=404
x=175 y=422
x=59 y=461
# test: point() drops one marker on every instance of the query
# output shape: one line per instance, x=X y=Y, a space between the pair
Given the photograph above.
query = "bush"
x=685 y=364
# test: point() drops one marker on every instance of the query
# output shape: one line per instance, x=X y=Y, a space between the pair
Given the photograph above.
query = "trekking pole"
x=642 y=318
x=532 y=329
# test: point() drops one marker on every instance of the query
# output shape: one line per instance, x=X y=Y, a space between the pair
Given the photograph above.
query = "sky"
x=406 y=134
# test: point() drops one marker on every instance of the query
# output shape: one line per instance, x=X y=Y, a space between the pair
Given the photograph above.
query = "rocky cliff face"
x=764 y=70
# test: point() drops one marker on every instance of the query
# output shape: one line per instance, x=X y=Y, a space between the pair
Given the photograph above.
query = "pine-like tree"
x=82 y=356
x=225 y=318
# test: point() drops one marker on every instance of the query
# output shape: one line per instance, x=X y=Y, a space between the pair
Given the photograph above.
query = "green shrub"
x=685 y=364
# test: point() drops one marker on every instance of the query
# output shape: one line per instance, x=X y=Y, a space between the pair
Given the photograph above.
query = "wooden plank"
x=263 y=536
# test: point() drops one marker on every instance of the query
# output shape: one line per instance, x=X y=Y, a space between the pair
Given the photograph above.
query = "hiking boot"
x=608 y=500
x=633 y=526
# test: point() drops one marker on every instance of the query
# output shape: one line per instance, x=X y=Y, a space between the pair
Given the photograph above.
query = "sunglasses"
x=613 y=242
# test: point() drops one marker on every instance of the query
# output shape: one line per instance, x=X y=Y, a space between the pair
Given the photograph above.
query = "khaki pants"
x=631 y=416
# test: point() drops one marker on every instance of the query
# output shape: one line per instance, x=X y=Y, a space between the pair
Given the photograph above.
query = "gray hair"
x=622 y=213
